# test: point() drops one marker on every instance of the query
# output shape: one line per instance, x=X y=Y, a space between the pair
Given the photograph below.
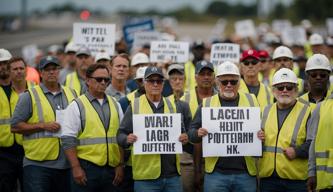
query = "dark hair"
x=92 y=68
x=16 y=59
x=122 y=55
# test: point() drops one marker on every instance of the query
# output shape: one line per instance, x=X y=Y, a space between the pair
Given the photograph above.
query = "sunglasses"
x=288 y=87
x=153 y=81
x=226 y=82
x=253 y=62
x=321 y=75
x=100 y=79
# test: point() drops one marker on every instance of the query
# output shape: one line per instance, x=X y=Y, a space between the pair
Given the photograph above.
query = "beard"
x=285 y=100
x=228 y=95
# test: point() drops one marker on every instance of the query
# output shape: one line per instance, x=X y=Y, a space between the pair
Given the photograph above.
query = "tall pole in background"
x=24 y=14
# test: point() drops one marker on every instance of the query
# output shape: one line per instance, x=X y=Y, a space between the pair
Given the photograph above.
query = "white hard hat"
x=139 y=58
x=318 y=61
x=284 y=75
x=282 y=51
x=5 y=55
x=102 y=55
x=227 y=68
x=71 y=47
x=316 y=39
x=140 y=73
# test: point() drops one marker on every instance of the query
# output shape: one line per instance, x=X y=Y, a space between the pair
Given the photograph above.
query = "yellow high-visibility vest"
x=292 y=134
x=146 y=167
x=73 y=82
x=191 y=98
x=95 y=144
x=189 y=70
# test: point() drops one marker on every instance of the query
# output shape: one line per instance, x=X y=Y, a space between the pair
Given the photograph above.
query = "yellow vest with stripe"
x=245 y=100
x=190 y=83
x=324 y=146
x=265 y=96
x=192 y=100
x=292 y=134
x=305 y=98
x=131 y=96
x=38 y=146
x=6 y=111
x=92 y=140
x=73 y=82
x=149 y=166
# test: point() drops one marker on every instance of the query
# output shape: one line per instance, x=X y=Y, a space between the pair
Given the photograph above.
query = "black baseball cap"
x=48 y=60
x=152 y=70
x=203 y=64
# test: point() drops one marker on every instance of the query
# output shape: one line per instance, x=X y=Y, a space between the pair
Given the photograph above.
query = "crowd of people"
x=91 y=149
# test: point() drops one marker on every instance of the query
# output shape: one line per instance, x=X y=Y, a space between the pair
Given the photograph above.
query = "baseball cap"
x=48 y=60
x=139 y=58
x=140 y=73
x=5 y=55
x=71 y=47
x=102 y=55
x=152 y=70
x=282 y=51
x=316 y=39
x=227 y=68
x=176 y=67
x=250 y=53
x=284 y=75
x=198 y=44
x=263 y=54
x=83 y=51
x=202 y=65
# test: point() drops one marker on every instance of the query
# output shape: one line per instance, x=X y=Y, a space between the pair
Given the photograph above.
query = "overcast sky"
x=111 y=6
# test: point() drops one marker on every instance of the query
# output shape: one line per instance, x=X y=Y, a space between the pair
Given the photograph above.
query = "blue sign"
x=130 y=29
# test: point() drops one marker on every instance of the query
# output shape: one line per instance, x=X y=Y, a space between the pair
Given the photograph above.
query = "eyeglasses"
x=282 y=87
x=321 y=75
x=247 y=63
x=100 y=79
x=264 y=60
x=226 y=82
x=153 y=81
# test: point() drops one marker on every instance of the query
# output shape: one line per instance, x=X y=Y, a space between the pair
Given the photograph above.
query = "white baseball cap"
x=140 y=73
x=284 y=75
x=5 y=55
x=139 y=58
x=318 y=61
x=227 y=68
x=71 y=47
x=102 y=55
x=316 y=39
x=282 y=51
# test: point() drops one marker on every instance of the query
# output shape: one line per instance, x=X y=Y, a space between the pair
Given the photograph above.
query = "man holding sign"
x=155 y=164
x=230 y=172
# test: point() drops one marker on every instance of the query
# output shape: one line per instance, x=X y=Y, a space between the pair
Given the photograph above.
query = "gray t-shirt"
x=23 y=113
x=110 y=90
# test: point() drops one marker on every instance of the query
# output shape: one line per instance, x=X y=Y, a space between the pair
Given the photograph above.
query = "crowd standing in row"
x=91 y=149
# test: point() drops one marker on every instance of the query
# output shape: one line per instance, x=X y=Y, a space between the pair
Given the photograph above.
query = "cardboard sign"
x=166 y=51
x=157 y=133
x=245 y=28
x=145 y=37
x=294 y=36
x=221 y=52
x=232 y=131
x=130 y=29
x=279 y=26
x=97 y=37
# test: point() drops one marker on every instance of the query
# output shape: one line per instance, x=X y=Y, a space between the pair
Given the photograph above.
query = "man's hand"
x=79 y=175
x=261 y=135
x=202 y=132
x=290 y=153
x=183 y=138
x=311 y=184
x=131 y=138
x=119 y=175
x=50 y=126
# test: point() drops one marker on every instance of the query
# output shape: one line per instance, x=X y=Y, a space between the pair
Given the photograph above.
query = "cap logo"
x=318 y=61
x=48 y=58
x=154 y=69
x=203 y=63
x=284 y=76
x=250 y=52
x=228 y=68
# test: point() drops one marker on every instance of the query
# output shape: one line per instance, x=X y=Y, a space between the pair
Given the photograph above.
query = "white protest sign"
x=97 y=37
x=157 y=133
x=329 y=24
x=294 y=36
x=245 y=28
x=221 y=52
x=142 y=38
x=232 y=131
x=165 y=51
x=279 y=26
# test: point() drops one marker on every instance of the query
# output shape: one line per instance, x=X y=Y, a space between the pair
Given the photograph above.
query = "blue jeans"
x=275 y=184
x=172 y=184
x=99 y=178
x=41 y=179
x=219 y=182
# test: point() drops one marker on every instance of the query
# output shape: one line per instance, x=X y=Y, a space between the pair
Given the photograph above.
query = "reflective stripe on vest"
x=146 y=167
x=6 y=138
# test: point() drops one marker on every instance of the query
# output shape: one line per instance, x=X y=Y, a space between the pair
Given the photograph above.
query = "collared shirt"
x=110 y=90
x=71 y=125
x=23 y=113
